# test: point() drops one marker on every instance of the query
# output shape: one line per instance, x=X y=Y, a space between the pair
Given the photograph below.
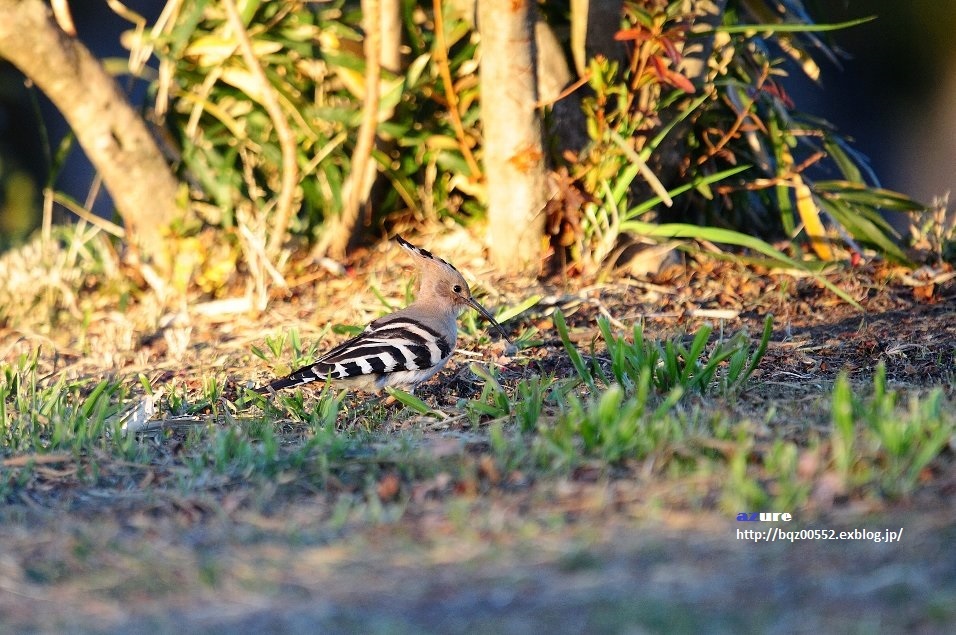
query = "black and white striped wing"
x=388 y=345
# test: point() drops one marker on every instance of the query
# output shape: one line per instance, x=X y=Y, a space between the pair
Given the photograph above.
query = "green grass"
x=633 y=405
x=879 y=444
x=276 y=345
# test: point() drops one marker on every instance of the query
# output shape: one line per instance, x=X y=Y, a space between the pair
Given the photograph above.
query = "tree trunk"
x=112 y=134
x=511 y=122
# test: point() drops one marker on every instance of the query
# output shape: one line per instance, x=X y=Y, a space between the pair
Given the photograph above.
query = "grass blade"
x=573 y=354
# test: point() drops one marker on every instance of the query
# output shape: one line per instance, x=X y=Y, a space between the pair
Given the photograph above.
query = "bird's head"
x=443 y=285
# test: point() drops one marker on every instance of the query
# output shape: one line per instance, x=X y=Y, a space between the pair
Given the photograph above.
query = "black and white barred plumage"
x=404 y=348
x=393 y=350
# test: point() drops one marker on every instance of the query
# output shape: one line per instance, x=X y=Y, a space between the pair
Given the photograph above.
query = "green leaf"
x=789 y=27
x=411 y=401
x=94 y=397
x=730 y=237
x=576 y=360
x=518 y=309
x=650 y=203
x=874 y=197
x=862 y=228
x=848 y=166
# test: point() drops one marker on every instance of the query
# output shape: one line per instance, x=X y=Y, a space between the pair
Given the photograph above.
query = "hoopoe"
x=403 y=348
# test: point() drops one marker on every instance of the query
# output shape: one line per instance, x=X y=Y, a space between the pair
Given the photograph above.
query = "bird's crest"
x=426 y=259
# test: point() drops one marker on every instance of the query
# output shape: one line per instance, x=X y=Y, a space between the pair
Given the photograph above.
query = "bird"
x=404 y=348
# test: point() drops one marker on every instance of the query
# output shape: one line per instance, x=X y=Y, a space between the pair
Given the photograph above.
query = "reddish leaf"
x=680 y=81
x=669 y=47
x=636 y=34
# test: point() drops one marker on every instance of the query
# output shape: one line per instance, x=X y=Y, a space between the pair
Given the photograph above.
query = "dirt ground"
x=630 y=575
x=582 y=553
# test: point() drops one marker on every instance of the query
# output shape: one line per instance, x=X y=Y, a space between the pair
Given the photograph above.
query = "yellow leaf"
x=189 y=255
x=802 y=58
x=214 y=50
x=245 y=81
x=810 y=215
x=353 y=80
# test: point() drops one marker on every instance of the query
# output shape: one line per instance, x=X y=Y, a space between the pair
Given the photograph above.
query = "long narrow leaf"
x=730 y=237
x=412 y=402
x=576 y=360
x=683 y=114
x=861 y=227
x=847 y=166
x=761 y=348
x=91 y=401
x=518 y=309
x=788 y=27
x=870 y=196
x=706 y=180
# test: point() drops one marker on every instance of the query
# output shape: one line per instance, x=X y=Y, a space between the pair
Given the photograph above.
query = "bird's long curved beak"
x=484 y=312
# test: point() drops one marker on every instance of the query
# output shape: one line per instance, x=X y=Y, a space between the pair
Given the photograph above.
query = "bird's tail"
x=304 y=375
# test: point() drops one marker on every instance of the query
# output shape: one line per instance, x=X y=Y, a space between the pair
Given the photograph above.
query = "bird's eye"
x=456 y=288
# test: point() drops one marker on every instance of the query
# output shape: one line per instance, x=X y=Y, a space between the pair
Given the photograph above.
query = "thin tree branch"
x=287 y=143
x=390 y=26
x=360 y=179
x=112 y=134
x=445 y=71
